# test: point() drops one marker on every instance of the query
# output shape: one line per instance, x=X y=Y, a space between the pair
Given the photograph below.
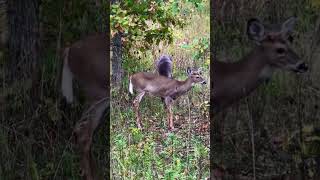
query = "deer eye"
x=280 y=50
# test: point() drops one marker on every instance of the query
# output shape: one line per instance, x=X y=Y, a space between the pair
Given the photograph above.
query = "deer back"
x=88 y=63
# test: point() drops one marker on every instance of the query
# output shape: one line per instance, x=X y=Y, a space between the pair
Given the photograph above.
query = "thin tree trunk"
x=23 y=44
x=116 y=56
x=116 y=59
x=3 y=25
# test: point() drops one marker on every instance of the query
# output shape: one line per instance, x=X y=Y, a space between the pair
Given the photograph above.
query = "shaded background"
x=284 y=114
x=36 y=125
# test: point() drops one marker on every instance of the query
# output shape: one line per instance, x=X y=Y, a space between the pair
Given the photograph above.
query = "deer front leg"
x=169 y=102
x=136 y=104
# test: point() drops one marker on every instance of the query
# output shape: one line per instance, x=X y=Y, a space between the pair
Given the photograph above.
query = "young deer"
x=233 y=81
x=86 y=61
x=161 y=86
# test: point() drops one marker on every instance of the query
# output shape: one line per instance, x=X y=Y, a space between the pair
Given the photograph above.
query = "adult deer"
x=164 y=87
x=233 y=81
x=86 y=62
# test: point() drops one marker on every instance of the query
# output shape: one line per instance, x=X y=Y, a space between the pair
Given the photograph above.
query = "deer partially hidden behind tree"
x=233 y=81
x=86 y=62
x=164 y=87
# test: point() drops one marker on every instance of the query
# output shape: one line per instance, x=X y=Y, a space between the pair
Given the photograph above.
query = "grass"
x=140 y=153
x=36 y=143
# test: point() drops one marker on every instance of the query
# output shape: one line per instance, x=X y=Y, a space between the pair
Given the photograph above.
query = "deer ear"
x=188 y=70
x=255 y=30
x=288 y=25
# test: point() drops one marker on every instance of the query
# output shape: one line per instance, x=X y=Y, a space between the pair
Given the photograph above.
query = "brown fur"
x=87 y=61
x=233 y=81
x=163 y=87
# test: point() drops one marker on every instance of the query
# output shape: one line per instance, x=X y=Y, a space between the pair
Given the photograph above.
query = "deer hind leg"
x=169 y=102
x=84 y=131
x=136 y=104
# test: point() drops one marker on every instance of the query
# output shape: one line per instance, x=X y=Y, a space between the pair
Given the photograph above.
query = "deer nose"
x=203 y=82
x=303 y=67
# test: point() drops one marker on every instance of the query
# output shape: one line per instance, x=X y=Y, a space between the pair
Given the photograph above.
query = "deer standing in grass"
x=233 y=81
x=86 y=62
x=164 y=87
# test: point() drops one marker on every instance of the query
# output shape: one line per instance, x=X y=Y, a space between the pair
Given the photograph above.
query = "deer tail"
x=130 y=86
x=67 y=76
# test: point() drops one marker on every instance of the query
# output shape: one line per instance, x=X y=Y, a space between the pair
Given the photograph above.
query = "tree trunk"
x=23 y=44
x=116 y=56
x=3 y=25
x=116 y=59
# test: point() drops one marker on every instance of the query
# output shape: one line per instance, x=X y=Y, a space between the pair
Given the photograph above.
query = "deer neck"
x=182 y=87
x=236 y=80
x=253 y=70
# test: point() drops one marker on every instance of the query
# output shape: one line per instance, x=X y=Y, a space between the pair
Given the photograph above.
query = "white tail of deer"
x=232 y=81
x=66 y=84
x=164 y=87
x=86 y=62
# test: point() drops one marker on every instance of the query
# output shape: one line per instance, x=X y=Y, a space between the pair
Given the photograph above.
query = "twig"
x=300 y=124
x=189 y=132
x=63 y=154
x=252 y=144
x=91 y=108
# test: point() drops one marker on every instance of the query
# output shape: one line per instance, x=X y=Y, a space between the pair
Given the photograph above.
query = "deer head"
x=274 y=41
